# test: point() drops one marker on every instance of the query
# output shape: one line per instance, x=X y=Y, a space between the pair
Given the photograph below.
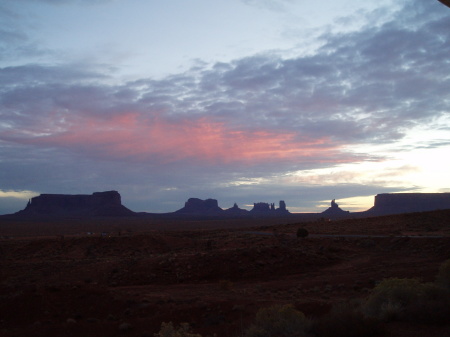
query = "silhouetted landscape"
x=109 y=204
x=87 y=265
x=264 y=152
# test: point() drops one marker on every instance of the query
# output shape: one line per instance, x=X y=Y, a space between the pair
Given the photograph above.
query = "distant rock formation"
x=264 y=208
x=97 y=204
x=394 y=203
x=445 y=2
x=282 y=208
x=260 y=207
x=334 y=211
x=235 y=210
x=199 y=206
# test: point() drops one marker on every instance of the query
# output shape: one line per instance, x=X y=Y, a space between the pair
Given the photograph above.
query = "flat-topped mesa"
x=97 y=204
x=393 y=203
x=199 y=206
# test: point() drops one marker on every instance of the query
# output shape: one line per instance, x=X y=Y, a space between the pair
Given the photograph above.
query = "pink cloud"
x=138 y=137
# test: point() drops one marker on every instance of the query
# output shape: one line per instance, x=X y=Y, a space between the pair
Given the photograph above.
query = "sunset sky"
x=238 y=100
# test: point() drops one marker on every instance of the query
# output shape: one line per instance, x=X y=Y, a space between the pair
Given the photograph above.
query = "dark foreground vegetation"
x=394 y=299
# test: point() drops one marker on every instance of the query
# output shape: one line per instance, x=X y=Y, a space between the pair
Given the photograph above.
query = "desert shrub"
x=302 y=233
x=390 y=297
x=169 y=330
x=409 y=300
x=347 y=320
x=443 y=276
x=279 y=321
x=431 y=307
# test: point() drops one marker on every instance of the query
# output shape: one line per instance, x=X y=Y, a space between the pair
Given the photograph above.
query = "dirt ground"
x=123 y=277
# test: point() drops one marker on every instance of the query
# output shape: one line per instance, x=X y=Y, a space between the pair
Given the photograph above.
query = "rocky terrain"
x=125 y=276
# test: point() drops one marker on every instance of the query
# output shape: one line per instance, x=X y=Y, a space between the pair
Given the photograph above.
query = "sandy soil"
x=58 y=280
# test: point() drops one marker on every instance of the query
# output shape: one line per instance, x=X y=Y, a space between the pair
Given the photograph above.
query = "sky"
x=239 y=100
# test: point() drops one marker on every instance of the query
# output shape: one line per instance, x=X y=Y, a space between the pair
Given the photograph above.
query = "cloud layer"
x=72 y=128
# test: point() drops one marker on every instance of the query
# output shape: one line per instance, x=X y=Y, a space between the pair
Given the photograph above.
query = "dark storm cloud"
x=71 y=128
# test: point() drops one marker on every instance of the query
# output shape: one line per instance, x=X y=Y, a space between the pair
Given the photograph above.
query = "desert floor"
x=123 y=277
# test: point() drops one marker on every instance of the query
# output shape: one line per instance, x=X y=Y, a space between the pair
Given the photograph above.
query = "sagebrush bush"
x=279 y=321
x=443 y=276
x=169 y=330
x=431 y=307
x=347 y=320
x=390 y=297
x=409 y=300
